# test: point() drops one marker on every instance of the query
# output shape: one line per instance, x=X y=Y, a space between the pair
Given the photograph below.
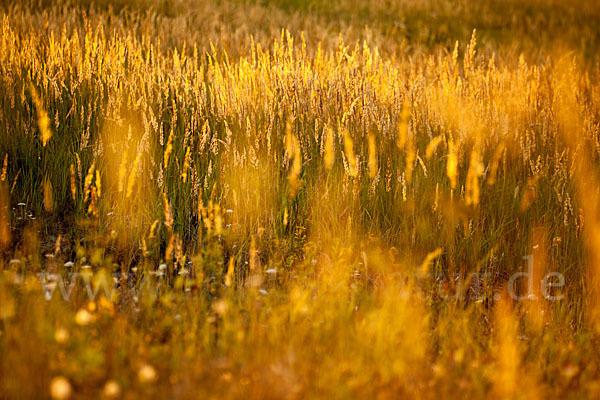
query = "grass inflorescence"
x=312 y=203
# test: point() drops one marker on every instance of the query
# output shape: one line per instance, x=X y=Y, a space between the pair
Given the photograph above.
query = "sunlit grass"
x=319 y=211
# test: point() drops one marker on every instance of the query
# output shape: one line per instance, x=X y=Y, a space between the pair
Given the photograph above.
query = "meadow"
x=299 y=199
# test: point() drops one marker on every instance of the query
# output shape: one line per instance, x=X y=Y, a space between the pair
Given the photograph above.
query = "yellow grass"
x=299 y=199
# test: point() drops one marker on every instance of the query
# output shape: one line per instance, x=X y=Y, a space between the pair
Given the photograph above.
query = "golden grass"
x=299 y=206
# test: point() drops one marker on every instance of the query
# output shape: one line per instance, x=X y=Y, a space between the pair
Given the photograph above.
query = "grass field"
x=299 y=199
